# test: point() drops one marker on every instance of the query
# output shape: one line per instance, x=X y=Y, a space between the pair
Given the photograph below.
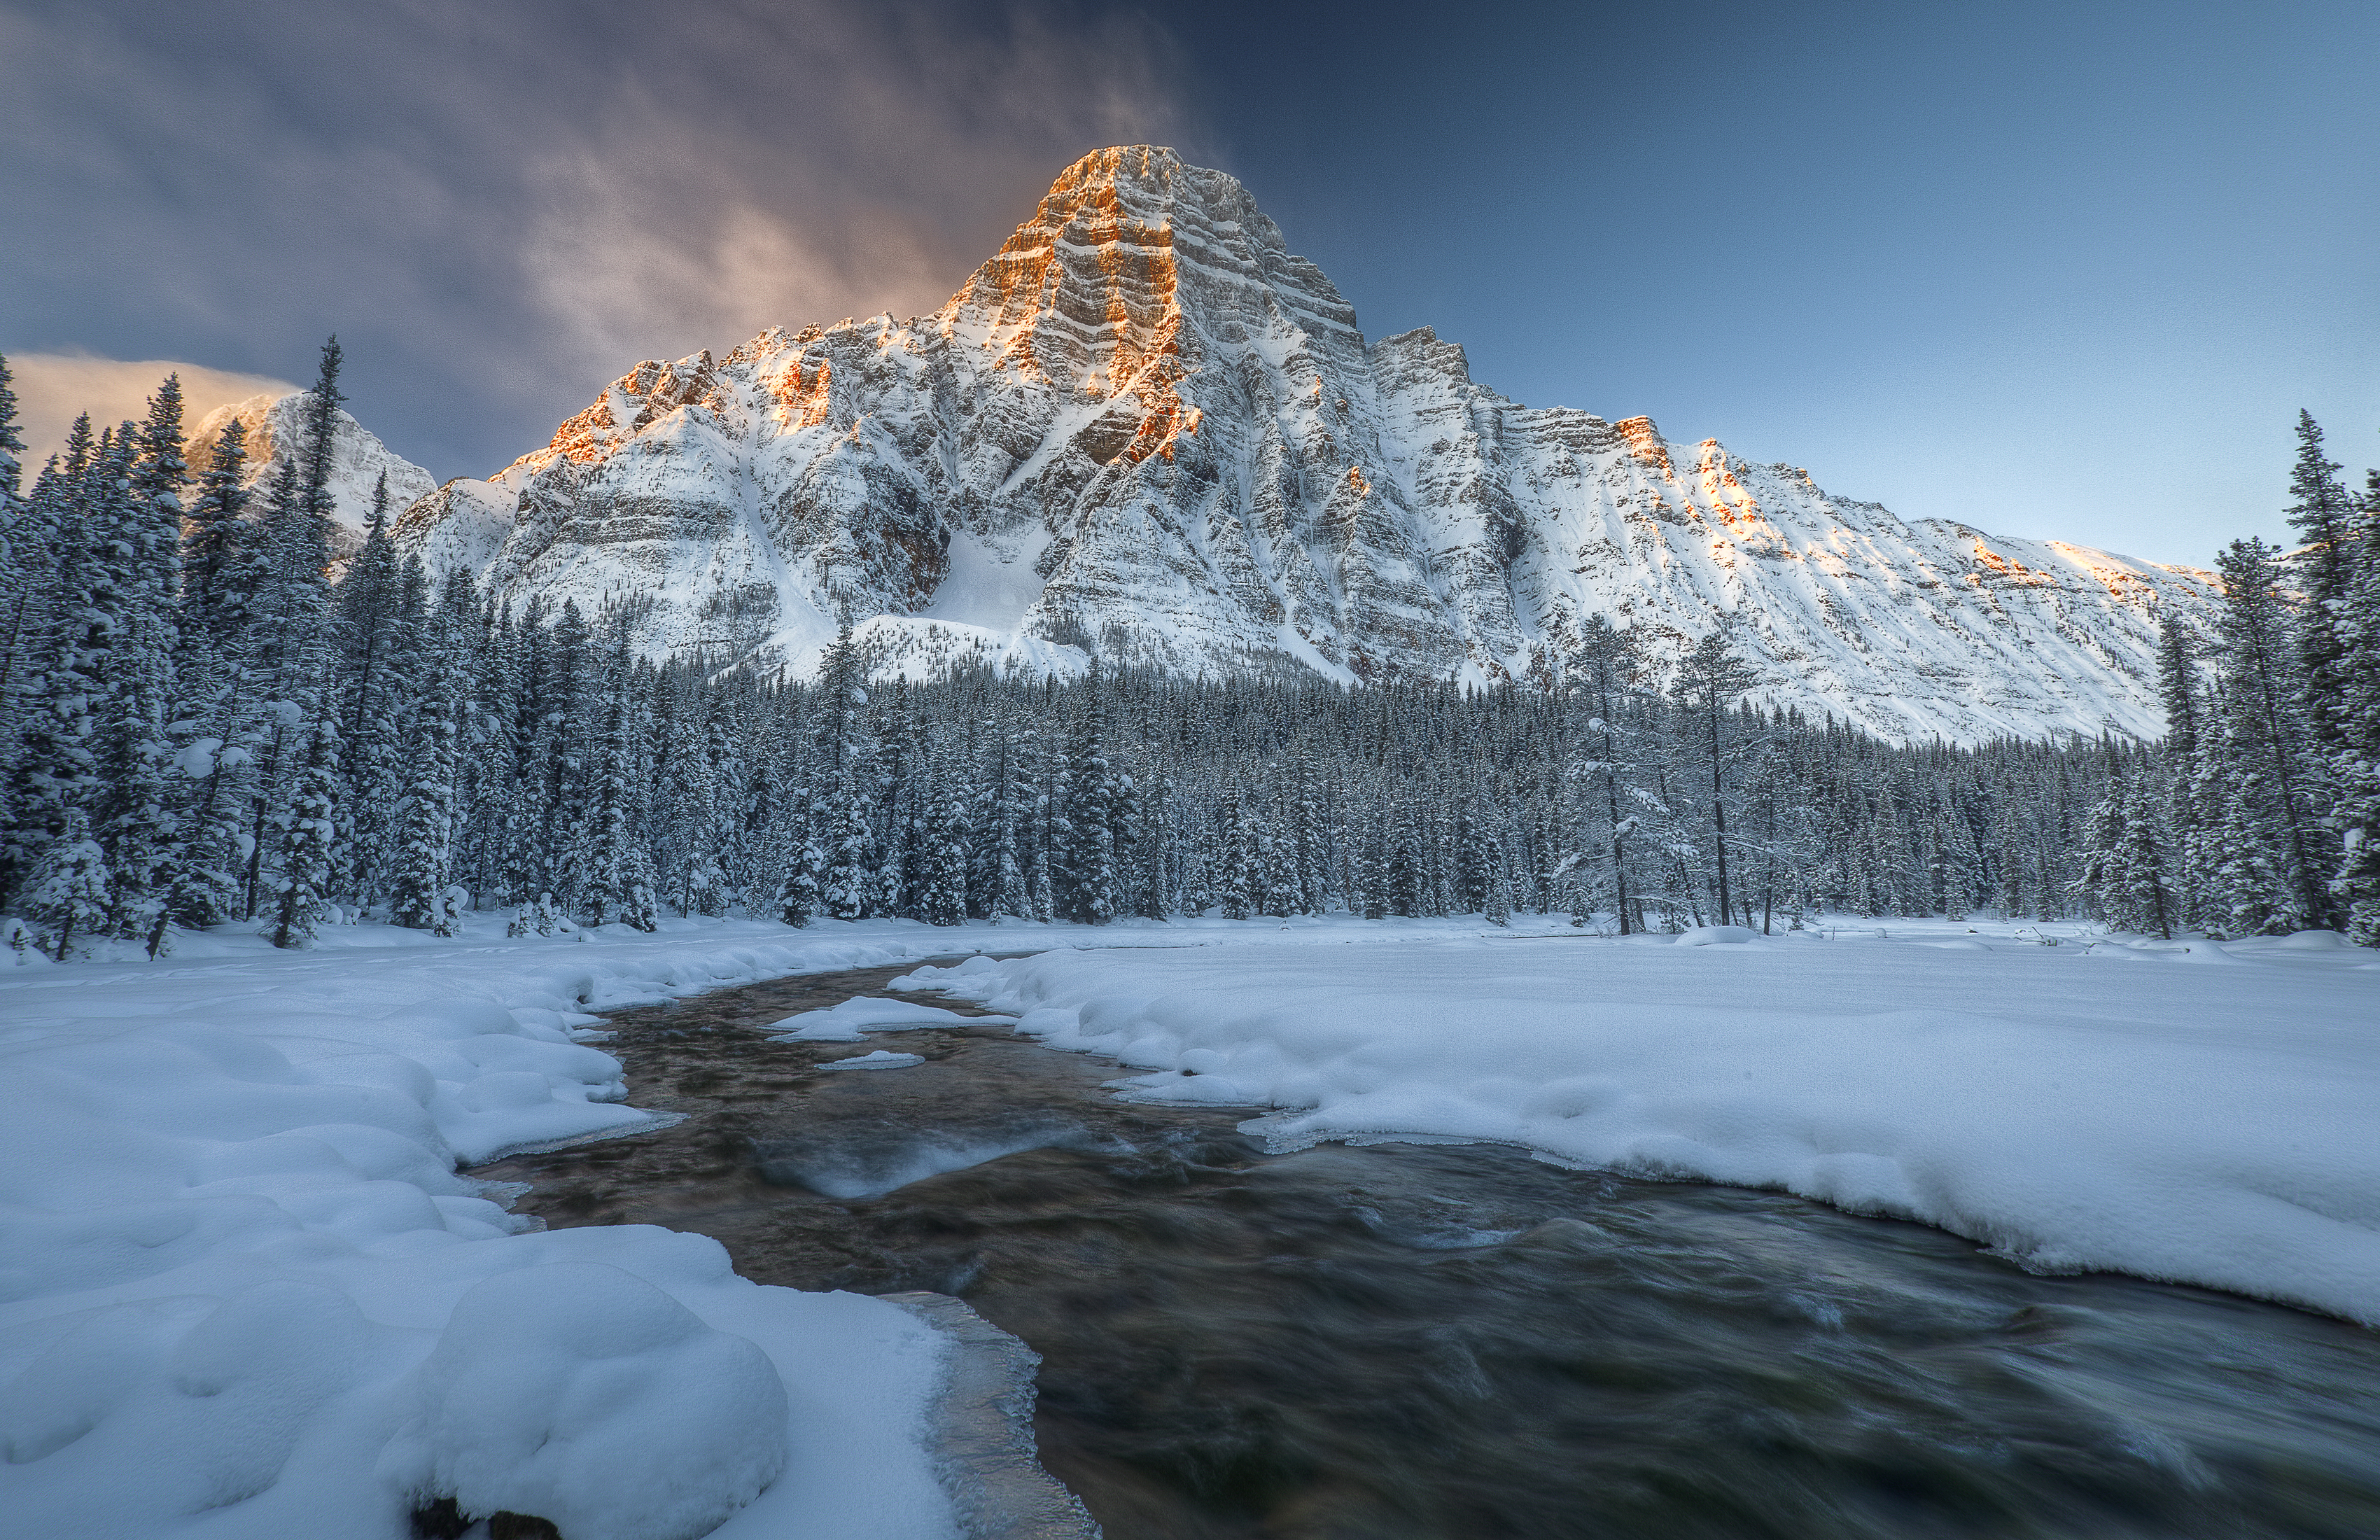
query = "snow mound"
x=584 y=1395
x=1716 y=935
x=883 y=1059
x=846 y=1023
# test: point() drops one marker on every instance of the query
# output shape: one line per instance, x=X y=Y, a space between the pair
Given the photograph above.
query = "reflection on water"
x=1406 y=1342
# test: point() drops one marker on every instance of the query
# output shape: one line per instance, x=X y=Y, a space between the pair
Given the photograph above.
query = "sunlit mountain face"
x=1145 y=430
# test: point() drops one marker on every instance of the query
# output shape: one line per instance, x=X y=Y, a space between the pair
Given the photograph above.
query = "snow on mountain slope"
x=358 y=458
x=1146 y=430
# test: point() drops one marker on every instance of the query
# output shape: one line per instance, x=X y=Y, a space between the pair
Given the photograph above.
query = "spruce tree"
x=2275 y=782
x=2323 y=514
x=799 y=894
x=160 y=473
x=2178 y=689
x=943 y=880
x=66 y=896
x=12 y=450
x=1605 y=663
x=213 y=557
x=1711 y=678
x=2355 y=887
x=422 y=866
x=308 y=827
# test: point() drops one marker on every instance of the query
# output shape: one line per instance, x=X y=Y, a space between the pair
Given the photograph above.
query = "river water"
x=1401 y=1340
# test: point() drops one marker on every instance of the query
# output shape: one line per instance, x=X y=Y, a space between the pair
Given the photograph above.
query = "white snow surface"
x=245 y=1293
x=2111 y=1106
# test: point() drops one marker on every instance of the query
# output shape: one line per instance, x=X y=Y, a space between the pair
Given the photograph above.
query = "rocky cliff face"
x=1146 y=430
x=275 y=427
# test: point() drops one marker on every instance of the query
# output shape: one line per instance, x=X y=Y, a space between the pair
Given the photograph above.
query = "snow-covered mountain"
x=275 y=427
x=1145 y=428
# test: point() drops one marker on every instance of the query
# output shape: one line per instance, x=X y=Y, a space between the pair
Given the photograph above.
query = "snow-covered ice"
x=848 y=1022
x=2097 y=1105
x=883 y=1059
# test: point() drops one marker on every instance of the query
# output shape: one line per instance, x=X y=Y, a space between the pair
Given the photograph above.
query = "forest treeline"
x=200 y=726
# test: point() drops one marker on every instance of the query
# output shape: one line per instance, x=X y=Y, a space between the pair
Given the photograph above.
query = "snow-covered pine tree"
x=375 y=631
x=420 y=862
x=307 y=826
x=1711 y=679
x=2178 y=689
x=1408 y=865
x=2275 y=779
x=1087 y=879
x=160 y=474
x=211 y=557
x=942 y=876
x=2323 y=513
x=217 y=699
x=799 y=895
x=132 y=810
x=12 y=450
x=1006 y=823
x=847 y=767
x=66 y=895
x=1603 y=664
x=618 y=880
x=2147 y=900
x=2355 y=888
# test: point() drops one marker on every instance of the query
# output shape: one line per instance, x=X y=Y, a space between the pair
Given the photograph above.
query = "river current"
x=1407 y=1341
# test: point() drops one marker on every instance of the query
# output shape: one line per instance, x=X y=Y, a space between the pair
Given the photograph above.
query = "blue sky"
x=2055 y=270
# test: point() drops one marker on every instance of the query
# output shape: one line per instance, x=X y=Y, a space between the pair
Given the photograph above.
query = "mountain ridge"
x=1145 y=428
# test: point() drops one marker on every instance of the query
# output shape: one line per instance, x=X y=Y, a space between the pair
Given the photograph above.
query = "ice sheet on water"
x=883 y=1059
x=851 y=1020
x=853 y=1159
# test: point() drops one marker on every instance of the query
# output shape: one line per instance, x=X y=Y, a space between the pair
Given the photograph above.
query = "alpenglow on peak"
x=1145 y=430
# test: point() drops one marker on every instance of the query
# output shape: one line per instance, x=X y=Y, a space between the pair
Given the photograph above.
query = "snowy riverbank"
x=2186 y=1112
x=243 y=1292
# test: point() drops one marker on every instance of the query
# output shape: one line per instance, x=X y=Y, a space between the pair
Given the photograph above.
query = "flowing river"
x=1406 y=1341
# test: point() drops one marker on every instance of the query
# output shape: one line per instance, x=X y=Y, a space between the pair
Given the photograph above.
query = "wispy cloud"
x=499 y=208
x=52 y=388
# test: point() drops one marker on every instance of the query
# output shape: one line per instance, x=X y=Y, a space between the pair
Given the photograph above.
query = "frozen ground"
x=243 y=1292
x=2186 y=1112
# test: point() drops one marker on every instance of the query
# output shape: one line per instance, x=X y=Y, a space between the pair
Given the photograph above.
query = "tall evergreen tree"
x=2355 y=888
x=1711 y=678
x=2274 y=784
x=308 y=828
x=2323 y=514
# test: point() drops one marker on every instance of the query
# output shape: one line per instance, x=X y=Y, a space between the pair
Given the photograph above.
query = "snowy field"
x=2186 y=1112
x=243 y=1292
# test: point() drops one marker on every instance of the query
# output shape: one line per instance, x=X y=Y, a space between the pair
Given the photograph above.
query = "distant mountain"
x=276 y=427
x=1146 y=430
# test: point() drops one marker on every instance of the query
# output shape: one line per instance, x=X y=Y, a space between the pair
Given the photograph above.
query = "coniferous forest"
x=203 y=723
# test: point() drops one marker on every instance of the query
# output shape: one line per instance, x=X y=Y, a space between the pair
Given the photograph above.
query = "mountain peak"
x=1146 y=430
x=276 y=427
